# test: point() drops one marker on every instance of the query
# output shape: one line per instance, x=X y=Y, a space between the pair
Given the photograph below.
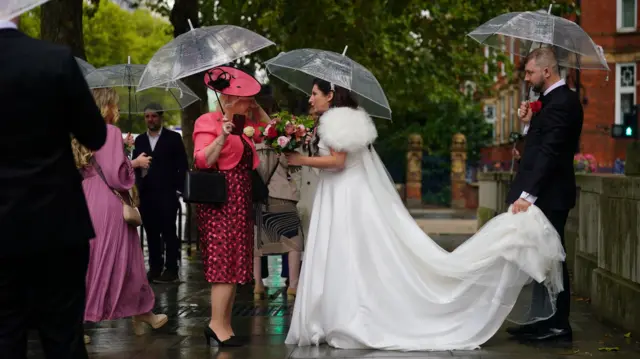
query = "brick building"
x=612 y=24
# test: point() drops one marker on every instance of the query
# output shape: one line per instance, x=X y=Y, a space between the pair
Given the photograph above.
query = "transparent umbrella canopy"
x=521 y=32
x=124 y=79
x=85 y=67
x=12 y=8
x=298 y=68
x=199 y=50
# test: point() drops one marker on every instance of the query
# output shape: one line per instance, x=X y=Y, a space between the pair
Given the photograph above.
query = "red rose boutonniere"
x=535 y=106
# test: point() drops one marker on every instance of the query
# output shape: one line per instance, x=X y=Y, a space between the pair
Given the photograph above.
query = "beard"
x=537 y=88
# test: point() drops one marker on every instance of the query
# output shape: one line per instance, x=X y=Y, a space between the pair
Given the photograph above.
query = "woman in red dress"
x=227 y=232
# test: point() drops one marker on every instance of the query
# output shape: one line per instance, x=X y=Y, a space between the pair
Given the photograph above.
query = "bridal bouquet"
x=286 y=132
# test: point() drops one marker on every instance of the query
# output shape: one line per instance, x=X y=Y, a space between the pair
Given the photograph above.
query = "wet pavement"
x=266 y=323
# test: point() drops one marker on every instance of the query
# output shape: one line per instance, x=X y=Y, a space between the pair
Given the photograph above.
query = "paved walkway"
x=446 y=221
x=266 y=322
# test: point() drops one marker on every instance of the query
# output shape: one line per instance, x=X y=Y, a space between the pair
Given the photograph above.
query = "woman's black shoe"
x=210 y=334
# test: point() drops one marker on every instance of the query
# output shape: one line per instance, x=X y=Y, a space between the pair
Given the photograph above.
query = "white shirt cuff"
x=529 y=198
x=526 y=129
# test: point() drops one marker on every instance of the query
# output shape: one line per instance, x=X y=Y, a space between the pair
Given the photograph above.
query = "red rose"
x=272 y=132
x=535 y=106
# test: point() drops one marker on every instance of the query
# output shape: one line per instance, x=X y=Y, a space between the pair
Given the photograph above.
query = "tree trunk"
x=61 y=23
x=184 y=10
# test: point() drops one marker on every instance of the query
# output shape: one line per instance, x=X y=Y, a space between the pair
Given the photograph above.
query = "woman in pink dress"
x=226 y=231
x=117 y=285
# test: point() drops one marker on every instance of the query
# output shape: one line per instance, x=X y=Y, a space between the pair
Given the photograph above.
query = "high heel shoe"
x=210 y=334
x=291 y=293
x=154 y=320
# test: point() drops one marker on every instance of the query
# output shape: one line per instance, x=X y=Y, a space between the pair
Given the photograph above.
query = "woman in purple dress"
x=117 y=285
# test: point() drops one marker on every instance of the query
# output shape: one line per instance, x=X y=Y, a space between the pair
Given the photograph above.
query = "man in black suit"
x=160 y=187
x=44 y=220
x=545 y=174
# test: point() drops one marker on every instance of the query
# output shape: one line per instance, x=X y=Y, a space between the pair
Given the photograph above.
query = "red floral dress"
x=226 y=232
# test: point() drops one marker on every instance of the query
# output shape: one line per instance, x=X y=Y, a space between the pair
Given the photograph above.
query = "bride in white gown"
x=371 y=278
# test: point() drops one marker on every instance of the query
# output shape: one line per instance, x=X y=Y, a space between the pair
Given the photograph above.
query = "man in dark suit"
x=44 y=220
x=160 y=187
x=545 y=174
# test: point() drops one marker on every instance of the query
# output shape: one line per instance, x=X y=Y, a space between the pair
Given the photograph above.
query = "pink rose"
x=289 y=129
x=283 y=141
x=301 y=131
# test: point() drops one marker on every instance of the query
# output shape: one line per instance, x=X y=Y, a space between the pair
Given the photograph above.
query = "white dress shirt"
x=5 y=24
x=526 y=196
x=154 y=139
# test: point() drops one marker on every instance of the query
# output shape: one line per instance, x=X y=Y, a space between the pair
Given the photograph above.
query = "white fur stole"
x=346 y=130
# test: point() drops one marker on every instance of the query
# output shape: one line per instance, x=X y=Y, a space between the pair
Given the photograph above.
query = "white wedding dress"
x=371 y=278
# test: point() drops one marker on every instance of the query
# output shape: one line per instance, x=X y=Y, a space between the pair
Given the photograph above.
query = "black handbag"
x=205 y=187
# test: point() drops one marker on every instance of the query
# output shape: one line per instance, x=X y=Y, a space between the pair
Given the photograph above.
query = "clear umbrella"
x=85 y=67
x=124 y=79
x=198 y=50
x=12 y=8
x=298 y=68
x=520 y=32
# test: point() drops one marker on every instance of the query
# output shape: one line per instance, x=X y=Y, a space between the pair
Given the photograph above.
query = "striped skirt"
x=280 y=229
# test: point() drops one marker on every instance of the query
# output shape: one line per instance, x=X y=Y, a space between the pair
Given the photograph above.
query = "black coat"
x=546 y=167
x=168 y=168
x=44 y=99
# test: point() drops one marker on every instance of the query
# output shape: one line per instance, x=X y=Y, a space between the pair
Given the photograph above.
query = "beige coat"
x=280 y=187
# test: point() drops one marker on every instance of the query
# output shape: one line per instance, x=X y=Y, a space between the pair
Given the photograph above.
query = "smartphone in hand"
x=238 y=124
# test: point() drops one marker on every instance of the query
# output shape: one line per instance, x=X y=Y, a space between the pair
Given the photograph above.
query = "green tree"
x=111 y=34
x=61 y=23
x=417 y=49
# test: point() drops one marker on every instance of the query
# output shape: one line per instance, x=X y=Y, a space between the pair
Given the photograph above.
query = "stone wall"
x=602 y=238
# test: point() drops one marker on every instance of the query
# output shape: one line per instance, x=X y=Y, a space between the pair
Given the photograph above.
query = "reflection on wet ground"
x=266 y=322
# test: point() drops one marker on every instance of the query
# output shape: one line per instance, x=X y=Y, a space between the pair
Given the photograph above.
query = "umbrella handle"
x=220 y=103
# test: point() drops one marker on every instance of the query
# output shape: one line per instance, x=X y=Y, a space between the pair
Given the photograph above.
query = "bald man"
x=44 y=220
x=545 y=174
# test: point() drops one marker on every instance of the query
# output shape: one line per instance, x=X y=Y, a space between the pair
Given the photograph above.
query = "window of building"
x=503 y=119
x=627 y=15
x=490 y=117
x=625 y=89
x=513 y=109
x=512 y=56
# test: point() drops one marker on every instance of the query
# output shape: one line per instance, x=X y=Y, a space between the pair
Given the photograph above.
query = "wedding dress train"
x=371 y=278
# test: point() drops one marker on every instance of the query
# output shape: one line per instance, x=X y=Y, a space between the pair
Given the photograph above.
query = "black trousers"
x=44 y=290
x=159 y=211
x=563 y=303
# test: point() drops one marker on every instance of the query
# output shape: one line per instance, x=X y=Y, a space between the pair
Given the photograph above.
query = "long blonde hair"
x=107 y=101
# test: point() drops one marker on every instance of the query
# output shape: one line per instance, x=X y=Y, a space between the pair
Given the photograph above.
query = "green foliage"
x=417 y=49
x=111 y=34
x=30 y=22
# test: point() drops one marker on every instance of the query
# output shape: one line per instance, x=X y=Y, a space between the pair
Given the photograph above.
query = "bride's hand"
x=294 y=159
